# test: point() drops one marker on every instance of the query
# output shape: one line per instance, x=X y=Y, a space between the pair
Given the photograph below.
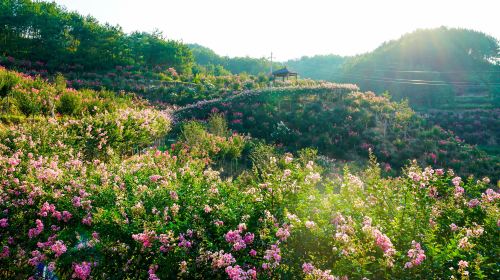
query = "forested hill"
x=48 y=34
x=213 y=63
x=431 y=67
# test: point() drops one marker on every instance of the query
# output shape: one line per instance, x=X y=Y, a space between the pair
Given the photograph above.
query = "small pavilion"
x=284 y=73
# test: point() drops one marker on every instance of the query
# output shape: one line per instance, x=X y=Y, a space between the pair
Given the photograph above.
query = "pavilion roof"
x=283 y=71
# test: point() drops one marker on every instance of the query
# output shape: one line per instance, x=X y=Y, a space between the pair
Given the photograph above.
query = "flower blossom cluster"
x=416 y=255
x=235 y=237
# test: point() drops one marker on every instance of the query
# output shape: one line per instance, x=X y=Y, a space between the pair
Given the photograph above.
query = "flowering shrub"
x=345 y=124
x=93 y=137
x=167 y=213
x=30 y=96
x=413 y=226
x=76 y=205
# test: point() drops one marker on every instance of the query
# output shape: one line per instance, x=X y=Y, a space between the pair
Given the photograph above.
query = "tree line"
x=47 y=33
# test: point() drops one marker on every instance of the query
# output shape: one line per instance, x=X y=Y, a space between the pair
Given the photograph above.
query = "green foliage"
x=460 y=64
x=70 y=103
x=60 y=82
x=217 y=65
x=318 y=67
x=7 y=81
x=344 y=125
x=34 y=96
x=217 y=125
x=47 y=34
x=171 y=214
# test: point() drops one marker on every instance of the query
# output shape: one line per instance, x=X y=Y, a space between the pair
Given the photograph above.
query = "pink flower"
x=184 y=242
x=81 y=271
x=307 y=268
x=51 y=266
x=490 y=195
x=221 y=259
x=433 y=192
x=464 y=243
x=463 y=264
x=387 y=167
x=37 y=257
x=416 y=255
x=459 y=191
x=232 y=236
x=152 y=272
x=383 y=242
x=58 y=248
x=287 y=173
x=242 y=227
x=37 y=230
x=272 y=257
x=155 y=178
x=253 y=253
x=146 y=238
x=473 y=203
x=239 y=245
x=77 y=201
x=249 y=237
x=4 y=222
x=453 y=227
x=310 y=224
x=46 y=209
x=5 y=252
x=237 y=273
x=439 y=172
x=87 y=220
x=174 y=195
x=456 y=181
x=66 y=216
x=207 y=209
x=283 y=233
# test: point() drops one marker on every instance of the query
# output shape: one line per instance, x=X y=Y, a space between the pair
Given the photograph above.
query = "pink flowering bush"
x=375 y=227
x=76 y=204
x=146 y=217
x=344 y=123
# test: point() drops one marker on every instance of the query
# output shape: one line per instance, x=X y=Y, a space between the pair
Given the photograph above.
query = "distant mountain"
x=431 y=67
x=318 y=67
x=217 y=64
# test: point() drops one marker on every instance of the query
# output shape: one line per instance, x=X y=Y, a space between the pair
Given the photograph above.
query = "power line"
x=415 y=82
x=432 y=71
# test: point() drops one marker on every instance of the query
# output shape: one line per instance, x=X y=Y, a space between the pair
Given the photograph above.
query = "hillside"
x=85 y=203
x=450 y=76
x=443 y=67
x=46 y=34
x=131 y=156
x=343 y=123
x=38 y=117
x=215 y=64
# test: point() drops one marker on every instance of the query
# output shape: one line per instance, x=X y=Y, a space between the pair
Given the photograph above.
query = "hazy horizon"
x=289 y=29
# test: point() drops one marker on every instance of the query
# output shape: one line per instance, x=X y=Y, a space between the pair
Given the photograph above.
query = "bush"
x=70 y=103
x=217 y=125
x=7 y=81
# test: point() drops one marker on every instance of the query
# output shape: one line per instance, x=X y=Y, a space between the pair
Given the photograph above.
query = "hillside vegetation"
x=443 y=67
x=74 y=204
x=126 y=156
x=345 y=124
x=450 y=76
x=215 y=64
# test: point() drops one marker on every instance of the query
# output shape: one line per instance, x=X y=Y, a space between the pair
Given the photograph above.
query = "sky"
x=292 y=28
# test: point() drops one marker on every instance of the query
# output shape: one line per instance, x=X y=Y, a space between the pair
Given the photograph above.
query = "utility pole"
x=271 y=74
x=271 y=63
